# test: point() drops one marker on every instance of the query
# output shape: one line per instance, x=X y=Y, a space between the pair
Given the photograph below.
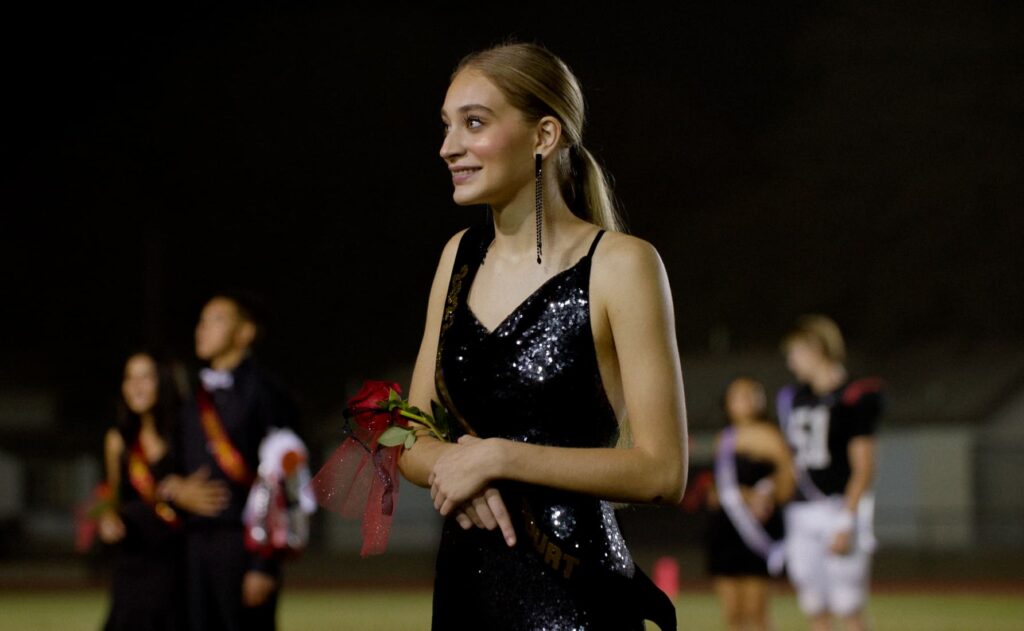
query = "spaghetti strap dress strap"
x=593 y=245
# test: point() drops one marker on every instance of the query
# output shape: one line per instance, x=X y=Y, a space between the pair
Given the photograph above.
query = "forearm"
x=784 y=481
x=113 y=448
x=616 y=474
x=860 y=482
x=417 y=462
x=862 y=468
x=113 y=478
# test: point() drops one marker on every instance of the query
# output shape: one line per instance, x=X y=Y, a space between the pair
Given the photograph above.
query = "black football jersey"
x=820 y=428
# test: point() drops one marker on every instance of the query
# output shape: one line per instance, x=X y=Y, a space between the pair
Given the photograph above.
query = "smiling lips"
x=461 y=175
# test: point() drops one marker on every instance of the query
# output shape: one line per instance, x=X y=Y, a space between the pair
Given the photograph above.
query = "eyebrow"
x=471 y=106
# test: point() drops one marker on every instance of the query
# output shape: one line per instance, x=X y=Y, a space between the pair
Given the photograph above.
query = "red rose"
x=365 y=405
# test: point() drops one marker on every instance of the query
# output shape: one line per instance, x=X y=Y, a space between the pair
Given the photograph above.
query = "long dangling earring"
x=538 y=188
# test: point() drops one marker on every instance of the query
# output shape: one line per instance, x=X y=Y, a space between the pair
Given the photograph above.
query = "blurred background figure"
x=235 y=404
x=144 y=529
x=830 y=422
x=753 y=478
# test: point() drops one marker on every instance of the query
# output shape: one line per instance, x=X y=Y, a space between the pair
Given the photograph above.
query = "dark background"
x=857 y=159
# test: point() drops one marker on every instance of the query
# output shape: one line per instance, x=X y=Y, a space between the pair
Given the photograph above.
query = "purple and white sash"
x=864 y=518
x=751 y=530
x=784 y=407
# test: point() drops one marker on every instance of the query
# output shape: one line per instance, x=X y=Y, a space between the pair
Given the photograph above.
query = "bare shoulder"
x=618 y=250
x=764 y=438
x=451 y=248
x=625 y=266
x=447 y=260
x=765 y=431
x=439 y=287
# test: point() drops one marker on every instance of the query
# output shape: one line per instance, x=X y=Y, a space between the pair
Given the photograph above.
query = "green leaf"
x=410 y=440
x=393 y=436
x=441 y=419
x=436 y=410
x=393 y=396
x=99 y=508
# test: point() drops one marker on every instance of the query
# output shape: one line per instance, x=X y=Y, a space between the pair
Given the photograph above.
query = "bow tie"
x=216 y=379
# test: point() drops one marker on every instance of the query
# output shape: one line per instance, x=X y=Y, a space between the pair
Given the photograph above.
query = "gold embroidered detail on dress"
x=452 y=301
x=450 y=304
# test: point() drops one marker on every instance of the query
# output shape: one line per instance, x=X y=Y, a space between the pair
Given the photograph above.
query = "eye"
x=472 y=122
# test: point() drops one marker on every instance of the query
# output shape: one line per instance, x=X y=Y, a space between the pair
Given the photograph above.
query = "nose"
x=452 y=145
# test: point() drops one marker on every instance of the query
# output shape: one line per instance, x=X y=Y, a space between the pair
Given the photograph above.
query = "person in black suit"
x=235 y=404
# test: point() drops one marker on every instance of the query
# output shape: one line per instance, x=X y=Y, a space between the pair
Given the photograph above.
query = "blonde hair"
x=820 y=331
x=537 y=83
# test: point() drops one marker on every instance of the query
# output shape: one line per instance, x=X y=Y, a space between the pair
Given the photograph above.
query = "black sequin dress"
x=534 y=379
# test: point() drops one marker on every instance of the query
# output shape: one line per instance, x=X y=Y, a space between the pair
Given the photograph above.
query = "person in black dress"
x=229 y=588
x=545 y=325
x=144 y=528
x=753 y=478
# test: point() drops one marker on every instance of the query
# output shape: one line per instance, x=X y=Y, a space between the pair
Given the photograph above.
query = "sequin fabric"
x=533 y=379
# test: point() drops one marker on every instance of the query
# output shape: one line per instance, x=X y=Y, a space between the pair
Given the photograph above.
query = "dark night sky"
x=859 y=161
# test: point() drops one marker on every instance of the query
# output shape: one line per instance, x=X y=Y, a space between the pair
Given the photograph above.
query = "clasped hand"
x=197 y=493
x=761 y=505
x=459 y=484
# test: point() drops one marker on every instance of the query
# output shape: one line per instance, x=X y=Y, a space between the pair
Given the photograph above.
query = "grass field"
x=307 y=609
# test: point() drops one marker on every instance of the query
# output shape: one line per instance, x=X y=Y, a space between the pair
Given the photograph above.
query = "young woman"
x=144 y=526
x=830 y=422
x=753 y=478
x=545 y=327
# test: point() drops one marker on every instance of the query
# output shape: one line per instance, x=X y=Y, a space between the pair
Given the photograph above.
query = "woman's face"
x=745 y=399
x=488 y=146
x=140 y=384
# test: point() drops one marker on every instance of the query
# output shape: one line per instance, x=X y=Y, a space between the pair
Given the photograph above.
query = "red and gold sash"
x=141 y=479
x=224 y=451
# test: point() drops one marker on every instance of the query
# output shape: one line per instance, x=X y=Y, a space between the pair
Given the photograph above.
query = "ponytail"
x=588 y=192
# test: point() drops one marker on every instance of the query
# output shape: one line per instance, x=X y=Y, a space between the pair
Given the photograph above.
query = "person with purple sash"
x=753 y=478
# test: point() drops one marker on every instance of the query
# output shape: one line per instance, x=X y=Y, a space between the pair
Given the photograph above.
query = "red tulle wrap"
x=360 y=479
x=86 y=515
x=85 y=530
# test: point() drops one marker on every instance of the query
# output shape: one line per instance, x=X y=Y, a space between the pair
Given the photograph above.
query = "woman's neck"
x=147 y=423
x=515 y=228
x=744 y=421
